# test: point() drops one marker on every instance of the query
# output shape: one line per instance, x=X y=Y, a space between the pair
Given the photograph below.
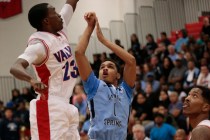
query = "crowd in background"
x=166 y=71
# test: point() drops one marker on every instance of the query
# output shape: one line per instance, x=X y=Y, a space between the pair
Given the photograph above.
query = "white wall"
x=14 y=31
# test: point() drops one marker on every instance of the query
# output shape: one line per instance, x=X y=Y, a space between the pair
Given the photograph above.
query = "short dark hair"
x=116 y=64
x=163 y=33
x=205 y=93
x=36 y=15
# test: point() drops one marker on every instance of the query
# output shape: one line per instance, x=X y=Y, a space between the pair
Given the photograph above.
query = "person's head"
x=204 y=70
x=173 y=97
x=163 y=95
x=138 y=132
x=15 y=92
x=25 y=90
x=197 y=102
x=150 y=38
x=43 y=17
x=162 y=110
x=171 y=49
x=159 y=118
x=180 y=135
x=8 y=113
x=206 y=21
x=78 y=89
x=141 y=98
x=109 y=72
x=146 y=68
x=134 y=38
x=191 y=65
x=184 y=33
x=178 y=87
x=178 y=63
x=154 y=60
x=167 y=62
x=150 y=77
x=163 y=35
x=148 y=89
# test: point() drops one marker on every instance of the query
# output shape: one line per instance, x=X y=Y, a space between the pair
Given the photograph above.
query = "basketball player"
x=108 y=102
x=196 y=107
x=51 y=117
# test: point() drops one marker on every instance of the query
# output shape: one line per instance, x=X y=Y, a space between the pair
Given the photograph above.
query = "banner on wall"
x=9 y=8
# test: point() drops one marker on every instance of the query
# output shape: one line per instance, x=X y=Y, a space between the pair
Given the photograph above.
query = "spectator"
x=156 y=67
x=181 y=93
x=172 y=54
x=161 y=130
x=177 y=73
x=167 y=66
x=141 y=108
x=164 y=39
x=1 y=109
x=9 y=128
x=26 y=94
x=136 y=48
x=175 y=109
x=206 y=26
x=181 y=41
x=151 y=79
x=139 y=132
x=22 y=115
x=190 y=76
x=204 y=77
x=180 y=135
x=151 y=44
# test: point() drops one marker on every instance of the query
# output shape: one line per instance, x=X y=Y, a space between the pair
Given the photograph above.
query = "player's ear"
x=45 y=21
x=206 y=107
x=118 y=76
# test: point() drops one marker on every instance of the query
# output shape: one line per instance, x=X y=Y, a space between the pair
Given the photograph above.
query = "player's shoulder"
x=201 y=132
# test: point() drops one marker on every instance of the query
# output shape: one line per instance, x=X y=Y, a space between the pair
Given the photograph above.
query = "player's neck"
x=195 y=120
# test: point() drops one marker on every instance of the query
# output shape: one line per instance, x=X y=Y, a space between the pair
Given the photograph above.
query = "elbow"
x=12 y=70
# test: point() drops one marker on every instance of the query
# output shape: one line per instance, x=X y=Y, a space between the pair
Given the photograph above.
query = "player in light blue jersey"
x=109 y=102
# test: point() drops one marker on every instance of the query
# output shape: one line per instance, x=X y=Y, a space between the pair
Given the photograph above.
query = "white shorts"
x=53 y=119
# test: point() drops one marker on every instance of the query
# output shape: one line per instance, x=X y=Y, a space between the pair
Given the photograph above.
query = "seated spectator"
x=26 y=94
x=180 y=135
x=9 y=128
x=172 y=53
x=181 y=93
x=183 y=39
x=167 y=66
x=206 y=26
x=156 y=67
x=16 y=97
x=177 y=73
x=161 y=130
x=175 y=109
x=190 y=76
x=141 y=108
x=136 y=48
x=22 y=115
x=164 y=98
x=164 y=39
x=139 y=132
x=151 y=79
x=204 y=77
x=151 y=44
x=80 y=99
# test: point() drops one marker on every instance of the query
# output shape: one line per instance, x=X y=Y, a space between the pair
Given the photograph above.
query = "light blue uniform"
x=109 y=107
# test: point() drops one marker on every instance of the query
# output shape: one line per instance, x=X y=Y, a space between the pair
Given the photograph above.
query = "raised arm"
x=73 y=3
x=82 y=61
x=129 y=74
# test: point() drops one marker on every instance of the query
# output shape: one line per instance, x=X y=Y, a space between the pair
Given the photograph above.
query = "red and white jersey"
x=204 y=123
x=59 y=70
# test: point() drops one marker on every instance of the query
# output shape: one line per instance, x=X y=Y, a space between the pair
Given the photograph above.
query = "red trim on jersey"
x=43 y=121
x=64 y=34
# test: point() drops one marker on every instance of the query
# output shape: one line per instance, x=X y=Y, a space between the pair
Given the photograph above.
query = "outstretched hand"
x=90 y=18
